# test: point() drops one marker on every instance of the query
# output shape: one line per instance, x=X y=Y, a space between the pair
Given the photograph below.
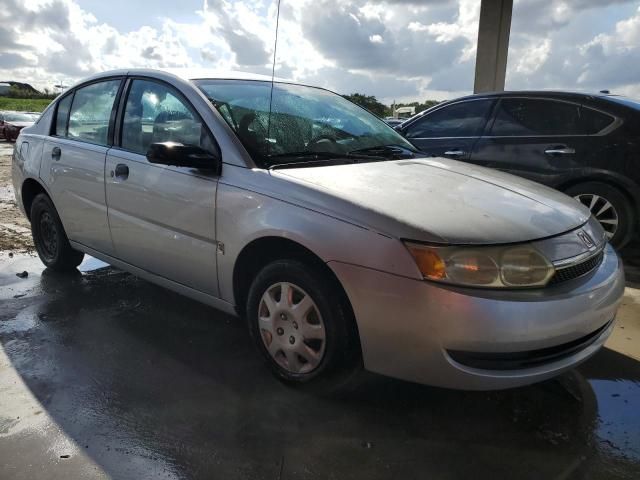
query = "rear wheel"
x=301 y=323
x=49 y=238
x=610 y=207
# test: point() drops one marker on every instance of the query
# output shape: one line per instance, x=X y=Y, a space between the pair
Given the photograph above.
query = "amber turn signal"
x=429 y=262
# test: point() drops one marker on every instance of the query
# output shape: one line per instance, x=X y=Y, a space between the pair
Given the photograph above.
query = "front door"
x=162 y=218
x=73 y=160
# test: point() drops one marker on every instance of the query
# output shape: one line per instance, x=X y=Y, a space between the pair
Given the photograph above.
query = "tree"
x=24 y=90
x=369 y=102
x=419 y=106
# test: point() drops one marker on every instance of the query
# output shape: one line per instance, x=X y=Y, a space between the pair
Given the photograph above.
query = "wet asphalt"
x=104 y=375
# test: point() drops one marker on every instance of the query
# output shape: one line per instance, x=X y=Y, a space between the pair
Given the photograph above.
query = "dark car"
x=587 y=146
x=12 y=122
x=394 y=122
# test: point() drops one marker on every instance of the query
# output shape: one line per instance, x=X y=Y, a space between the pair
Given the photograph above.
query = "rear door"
x=162 y=217
x=452 y=130
x=74 y=158
x=537 y=138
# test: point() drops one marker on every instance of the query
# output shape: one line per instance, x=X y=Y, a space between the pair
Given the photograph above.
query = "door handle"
x=121 y=172
x=560 y=151
x=56 y=153
x=455 y=153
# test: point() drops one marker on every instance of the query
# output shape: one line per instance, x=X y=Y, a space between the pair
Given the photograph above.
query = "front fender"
x=244 y=215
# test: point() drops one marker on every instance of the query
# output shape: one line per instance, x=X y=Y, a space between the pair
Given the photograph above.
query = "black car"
x=587 y=146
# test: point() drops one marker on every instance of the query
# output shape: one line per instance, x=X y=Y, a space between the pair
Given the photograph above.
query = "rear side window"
x=156 y=113
x=62 y=115
x=534 y=117
x=594 y=121
x=465 y=119
x=91 y=112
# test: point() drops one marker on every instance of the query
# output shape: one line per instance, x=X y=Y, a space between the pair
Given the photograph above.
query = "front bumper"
x=413 y=329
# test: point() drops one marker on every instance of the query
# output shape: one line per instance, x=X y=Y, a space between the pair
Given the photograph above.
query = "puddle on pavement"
x=618 y=416
x=109 y=343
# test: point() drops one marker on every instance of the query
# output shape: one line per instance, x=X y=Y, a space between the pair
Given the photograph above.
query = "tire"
x=607 y=205
x=299 y=356
x=49 y=238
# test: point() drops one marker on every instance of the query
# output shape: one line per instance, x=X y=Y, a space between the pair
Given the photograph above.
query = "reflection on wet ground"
x=105 y=375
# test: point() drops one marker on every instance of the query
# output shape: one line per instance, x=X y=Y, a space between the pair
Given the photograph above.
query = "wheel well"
x=30 y=188
x=635 y=201
x=262 y=251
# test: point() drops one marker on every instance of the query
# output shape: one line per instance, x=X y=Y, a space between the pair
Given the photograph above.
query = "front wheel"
x=301 y=323
x=49 y=237
x=610 y=207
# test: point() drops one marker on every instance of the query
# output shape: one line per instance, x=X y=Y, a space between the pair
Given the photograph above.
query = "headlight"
x=519 y=266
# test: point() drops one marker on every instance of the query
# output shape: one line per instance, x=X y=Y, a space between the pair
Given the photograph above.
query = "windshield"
x=303 y=120
x=18 y=117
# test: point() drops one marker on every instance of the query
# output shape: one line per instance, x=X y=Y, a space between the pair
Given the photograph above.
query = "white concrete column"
x=493 y=45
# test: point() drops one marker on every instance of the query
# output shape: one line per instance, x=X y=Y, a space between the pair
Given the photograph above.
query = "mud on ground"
x=15 y=231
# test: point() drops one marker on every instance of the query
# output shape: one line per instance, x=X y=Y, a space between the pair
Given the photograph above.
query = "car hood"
x=20 y=124
x=437 y=200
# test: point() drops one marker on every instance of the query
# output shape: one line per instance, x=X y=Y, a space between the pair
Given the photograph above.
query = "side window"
x=62 y=115
x=91 y=112
x=464 y=119
x=594 y=121
x=533 y=117
x=155 y=113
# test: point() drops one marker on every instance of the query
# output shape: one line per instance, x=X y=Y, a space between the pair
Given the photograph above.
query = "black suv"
x=588 y=146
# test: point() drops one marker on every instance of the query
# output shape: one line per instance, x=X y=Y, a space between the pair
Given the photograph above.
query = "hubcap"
x=602 y=210
x=291 y=328
x=48 y=235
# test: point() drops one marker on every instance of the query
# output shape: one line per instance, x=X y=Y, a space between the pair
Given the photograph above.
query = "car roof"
x=566 y=94
x=187 y=74
x=552 y=94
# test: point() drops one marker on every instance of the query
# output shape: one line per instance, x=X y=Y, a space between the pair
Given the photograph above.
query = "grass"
x=24 y=104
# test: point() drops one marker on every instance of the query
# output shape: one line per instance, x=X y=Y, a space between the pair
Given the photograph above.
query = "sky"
x=402 y=50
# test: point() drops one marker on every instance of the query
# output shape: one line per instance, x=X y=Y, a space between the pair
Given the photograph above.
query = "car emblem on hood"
x=586 y=239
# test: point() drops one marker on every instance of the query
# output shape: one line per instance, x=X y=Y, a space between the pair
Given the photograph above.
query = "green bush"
x=24 y=104
x=18 y=91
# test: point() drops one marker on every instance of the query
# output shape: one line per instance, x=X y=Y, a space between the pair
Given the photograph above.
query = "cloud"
x=13 y=60
x=573 y=55
x=239 y=27
x=394 y=49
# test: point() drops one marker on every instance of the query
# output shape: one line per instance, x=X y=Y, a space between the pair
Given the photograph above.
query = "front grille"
x=527 y=359
x=578 y=270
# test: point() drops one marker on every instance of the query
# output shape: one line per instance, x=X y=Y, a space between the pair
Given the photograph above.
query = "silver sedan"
x=326 y=230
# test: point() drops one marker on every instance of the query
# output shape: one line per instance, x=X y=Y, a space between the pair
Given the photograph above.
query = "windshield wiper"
x=394 y=152
x=306 y=157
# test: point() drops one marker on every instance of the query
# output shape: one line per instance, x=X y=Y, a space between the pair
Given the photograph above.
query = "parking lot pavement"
x=105 y=375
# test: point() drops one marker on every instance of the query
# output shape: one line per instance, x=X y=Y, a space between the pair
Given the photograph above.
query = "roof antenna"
x=273 y=74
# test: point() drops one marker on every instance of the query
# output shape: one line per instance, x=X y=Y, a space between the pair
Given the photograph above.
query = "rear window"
x=62 y=115
x=91 y=111
x=594 y=121
x=536 y=117
x=628 y=102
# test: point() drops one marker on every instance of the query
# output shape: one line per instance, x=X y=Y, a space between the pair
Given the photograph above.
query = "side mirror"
x=180 y=155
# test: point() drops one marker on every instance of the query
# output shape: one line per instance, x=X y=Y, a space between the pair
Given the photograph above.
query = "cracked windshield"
x=297 y=121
